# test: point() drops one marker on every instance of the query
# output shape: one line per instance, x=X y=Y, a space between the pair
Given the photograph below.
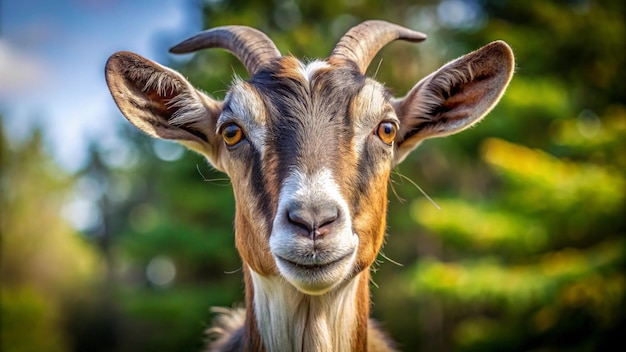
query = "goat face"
x=312 y=159
x=309 y=147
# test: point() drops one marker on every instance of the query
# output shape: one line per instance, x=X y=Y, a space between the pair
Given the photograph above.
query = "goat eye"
x=232 y=134
x=386 y=131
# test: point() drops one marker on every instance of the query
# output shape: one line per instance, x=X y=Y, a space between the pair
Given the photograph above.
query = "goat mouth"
x=315 y=278
x=313 y=263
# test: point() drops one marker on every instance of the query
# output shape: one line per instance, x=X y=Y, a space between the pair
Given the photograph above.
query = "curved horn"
x=252 y=47
x=362 y=42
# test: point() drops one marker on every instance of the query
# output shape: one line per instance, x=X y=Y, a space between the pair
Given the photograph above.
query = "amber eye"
x=386 y=131
x=232 y=134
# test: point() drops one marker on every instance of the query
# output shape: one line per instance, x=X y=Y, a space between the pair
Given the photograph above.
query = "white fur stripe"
x=309 y=69
x=290 y=321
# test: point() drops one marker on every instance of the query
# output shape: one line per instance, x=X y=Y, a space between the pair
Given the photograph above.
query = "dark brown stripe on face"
x=249 y=155
x=309 y=125
x=266 y=202
x=362 y=179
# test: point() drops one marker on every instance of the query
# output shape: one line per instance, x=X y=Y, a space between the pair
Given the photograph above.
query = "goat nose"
x=313 y=223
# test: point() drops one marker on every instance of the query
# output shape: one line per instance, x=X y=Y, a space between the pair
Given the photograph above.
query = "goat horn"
x=362 y=42
x=252 y=47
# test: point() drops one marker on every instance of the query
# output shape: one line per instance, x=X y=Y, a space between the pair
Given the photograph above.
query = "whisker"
x=213 y=179
x=389 y=259
x=395 y=192
x=419 y=188
x=233 y=271
x=377 y=68
x=374 y=283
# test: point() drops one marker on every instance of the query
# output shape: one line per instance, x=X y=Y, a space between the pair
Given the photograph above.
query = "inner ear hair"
x=461 y=92
x=466 y=89
x=166 y=94
x=157 y=99
x=454 y=97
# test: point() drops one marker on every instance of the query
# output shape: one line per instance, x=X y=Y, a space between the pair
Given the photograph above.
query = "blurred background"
x=112 y=241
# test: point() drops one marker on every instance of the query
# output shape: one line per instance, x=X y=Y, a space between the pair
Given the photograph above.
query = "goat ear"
x=454 y=97
x=163 y=104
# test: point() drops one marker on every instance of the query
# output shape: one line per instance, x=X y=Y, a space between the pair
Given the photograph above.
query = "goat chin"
x=316 y=279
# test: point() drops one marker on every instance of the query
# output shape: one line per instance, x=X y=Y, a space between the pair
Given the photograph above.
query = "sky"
x=52 y=57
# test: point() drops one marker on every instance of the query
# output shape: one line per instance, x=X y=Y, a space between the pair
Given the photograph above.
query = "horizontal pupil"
x=231 y=132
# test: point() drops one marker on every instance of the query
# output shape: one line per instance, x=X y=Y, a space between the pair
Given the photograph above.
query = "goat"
x=309 y=148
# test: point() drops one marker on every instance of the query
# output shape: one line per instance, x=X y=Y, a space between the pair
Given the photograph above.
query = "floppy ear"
x=454 y=97
x=163 y=104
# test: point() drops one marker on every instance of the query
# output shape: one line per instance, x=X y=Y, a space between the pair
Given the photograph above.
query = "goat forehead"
x=309 y=117
x=317 y=94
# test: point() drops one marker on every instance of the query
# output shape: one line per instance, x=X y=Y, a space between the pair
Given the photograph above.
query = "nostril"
x=313 y=223
x=328 y=218
x=300 y=220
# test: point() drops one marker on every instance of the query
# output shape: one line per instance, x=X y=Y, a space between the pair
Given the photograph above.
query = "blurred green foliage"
x=527 y=250
x=45 y=265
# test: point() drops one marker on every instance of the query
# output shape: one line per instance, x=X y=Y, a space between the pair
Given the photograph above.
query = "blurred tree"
x=45 y=266
x=166 y=228
x=527 y=251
